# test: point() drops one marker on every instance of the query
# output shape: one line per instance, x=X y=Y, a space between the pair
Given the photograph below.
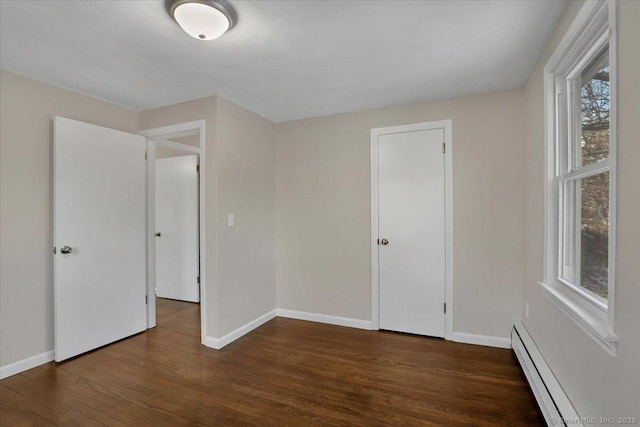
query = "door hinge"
x=145 y=154
x=146 y=299
x=198 y=279
x=445 y=307
x=55 y=251
x=197 y=168
x=443 y=147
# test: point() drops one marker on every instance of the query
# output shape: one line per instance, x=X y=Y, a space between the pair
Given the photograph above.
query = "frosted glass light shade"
x=200 y=19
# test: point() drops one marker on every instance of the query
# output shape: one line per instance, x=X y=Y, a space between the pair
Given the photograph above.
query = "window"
x=583 y=178
x=580 y=205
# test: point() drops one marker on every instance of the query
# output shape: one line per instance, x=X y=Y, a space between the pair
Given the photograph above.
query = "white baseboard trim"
x=218 y=343
x=210 y=342
x=323 y=318
x=553 y=401
x=486 y=340
x=25 y=364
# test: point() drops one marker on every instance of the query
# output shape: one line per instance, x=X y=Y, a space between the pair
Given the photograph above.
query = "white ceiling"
x=284 y=60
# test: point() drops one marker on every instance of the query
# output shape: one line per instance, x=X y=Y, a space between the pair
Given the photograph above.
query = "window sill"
x=589 y=319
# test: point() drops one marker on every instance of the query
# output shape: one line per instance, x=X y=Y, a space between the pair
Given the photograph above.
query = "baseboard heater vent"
x=554 y=403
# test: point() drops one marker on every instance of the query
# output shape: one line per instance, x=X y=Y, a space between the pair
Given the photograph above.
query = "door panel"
x=177 y=223
x=100 y=213
x=411 y=216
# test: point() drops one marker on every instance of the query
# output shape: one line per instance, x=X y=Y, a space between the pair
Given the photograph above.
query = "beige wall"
x=597 y=384
x=240 y=179
x=323 y=209
x=26 y=203
x=246 y=188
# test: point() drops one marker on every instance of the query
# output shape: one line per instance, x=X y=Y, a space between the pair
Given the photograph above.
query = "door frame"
x=159 y=137
x=446 y=126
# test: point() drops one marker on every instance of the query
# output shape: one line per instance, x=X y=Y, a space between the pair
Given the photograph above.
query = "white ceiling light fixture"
x=202 y=19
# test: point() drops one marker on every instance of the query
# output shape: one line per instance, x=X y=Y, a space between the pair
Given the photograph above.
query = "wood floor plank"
x=285 y=373
x=47 y=412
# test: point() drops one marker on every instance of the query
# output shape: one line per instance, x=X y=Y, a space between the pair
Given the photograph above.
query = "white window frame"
x=591 y=31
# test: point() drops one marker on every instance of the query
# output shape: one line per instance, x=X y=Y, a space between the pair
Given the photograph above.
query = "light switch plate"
x=232 y=220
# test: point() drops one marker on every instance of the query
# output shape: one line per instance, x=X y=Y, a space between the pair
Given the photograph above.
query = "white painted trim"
x=26 y=364
x=203 y=234
x=556 y=407
x=568 y=43
x=210 y=342
x=587 y=171
x=218 y=343
x=324 y=318
x=448 y=203
x=486 y=340
x=590 y=319
x=151 y=231
x=375 y=226
x=165 y=143
x=175 y=131
x=447 y=127
x=613 y=155
x=594 y=20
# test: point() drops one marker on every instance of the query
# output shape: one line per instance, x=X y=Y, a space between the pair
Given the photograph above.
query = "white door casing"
x=412 y=210
x=100 y=213
x=177 y=223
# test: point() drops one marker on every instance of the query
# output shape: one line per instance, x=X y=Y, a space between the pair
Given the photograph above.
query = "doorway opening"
x=177 y=245
x=175 y=223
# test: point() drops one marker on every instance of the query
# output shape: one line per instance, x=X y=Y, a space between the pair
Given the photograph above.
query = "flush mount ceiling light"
x=202 y=19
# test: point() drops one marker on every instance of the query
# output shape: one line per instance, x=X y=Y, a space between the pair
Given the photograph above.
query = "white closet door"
x=99 y=236
x=412 y=232
x=177 y=228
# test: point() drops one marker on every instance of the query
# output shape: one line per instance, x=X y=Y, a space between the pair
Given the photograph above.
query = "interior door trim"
x=447 y=127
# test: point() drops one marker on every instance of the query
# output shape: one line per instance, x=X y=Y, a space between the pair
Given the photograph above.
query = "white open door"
x=411 y=230
x=177 y=228
x=99 y=236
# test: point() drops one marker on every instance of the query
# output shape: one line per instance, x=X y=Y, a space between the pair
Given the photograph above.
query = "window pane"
x=594 y=94
x=594 y=234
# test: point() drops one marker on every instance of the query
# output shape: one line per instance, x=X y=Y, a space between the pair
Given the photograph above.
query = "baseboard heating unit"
x=552 y=400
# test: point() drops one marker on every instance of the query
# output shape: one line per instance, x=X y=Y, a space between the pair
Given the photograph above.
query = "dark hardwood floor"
x=285 y=373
